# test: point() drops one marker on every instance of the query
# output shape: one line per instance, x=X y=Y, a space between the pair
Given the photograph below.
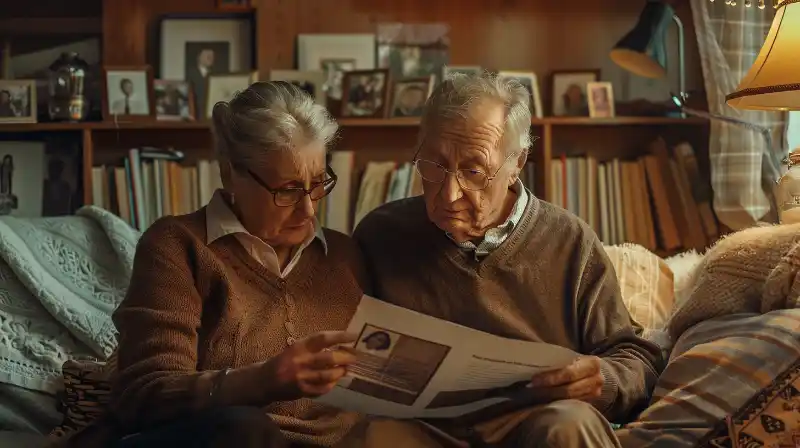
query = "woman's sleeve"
x=158 y=322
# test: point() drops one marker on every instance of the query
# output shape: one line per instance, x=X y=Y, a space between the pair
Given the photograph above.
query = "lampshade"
x=643 y=50
x=773 y=82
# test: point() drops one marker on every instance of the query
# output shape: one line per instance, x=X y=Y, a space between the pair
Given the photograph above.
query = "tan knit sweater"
x=550 y=281
x=194 y=308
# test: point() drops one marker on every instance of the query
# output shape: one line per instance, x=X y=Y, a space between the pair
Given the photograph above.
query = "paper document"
x=416 y=366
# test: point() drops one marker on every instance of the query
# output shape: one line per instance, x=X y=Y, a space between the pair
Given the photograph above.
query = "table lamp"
x=643 y=50
x=773 y=82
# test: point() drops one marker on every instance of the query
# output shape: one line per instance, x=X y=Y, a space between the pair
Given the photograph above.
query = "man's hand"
x=580 y=380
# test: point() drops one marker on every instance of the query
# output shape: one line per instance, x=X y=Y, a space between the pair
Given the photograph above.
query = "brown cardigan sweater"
x=550 y=281
x=193 y=308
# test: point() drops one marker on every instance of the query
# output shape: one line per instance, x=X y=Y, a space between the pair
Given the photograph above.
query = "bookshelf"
x=481 y=33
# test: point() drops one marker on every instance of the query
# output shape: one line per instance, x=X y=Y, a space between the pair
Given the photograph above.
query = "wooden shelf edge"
x=344 y=123
x=37 y=26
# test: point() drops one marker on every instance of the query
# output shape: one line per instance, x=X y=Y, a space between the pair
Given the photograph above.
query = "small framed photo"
x=128 y=93
x=234 y=5
x=174 y=100
x=569 y=92
x=17 y=101
x=601 y=99
x=193 y=48
x=409 y=96
x=465 y=69
x=334 y=70
x=224 y=87
x=365 y=93
x=531 y=82
x=312 y=82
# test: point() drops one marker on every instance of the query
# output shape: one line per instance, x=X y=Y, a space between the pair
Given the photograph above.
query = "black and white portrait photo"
x=204 y=59
x=413 y=50
x=128 y=92
x=17 y=101
x=173 y=100
x=409 y=96
x=334 y=70
x=365 y=93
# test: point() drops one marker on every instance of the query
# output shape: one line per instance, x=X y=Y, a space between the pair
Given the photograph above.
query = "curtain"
x=729 y=39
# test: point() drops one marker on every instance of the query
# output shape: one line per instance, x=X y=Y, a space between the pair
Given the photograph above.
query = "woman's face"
x=291 y=168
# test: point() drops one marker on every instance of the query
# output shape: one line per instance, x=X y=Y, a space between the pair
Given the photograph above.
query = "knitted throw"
x=60 y=280
x=752 y=271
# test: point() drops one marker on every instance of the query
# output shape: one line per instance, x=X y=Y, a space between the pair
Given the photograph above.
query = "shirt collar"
x=221 y=221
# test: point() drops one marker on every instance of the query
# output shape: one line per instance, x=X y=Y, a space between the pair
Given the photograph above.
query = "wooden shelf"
x=42 y=26
x=344 y=122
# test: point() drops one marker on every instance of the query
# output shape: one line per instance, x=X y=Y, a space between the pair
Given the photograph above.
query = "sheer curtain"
x=729 y=39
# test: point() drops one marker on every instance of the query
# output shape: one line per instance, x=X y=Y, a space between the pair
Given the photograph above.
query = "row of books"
x=659 y=200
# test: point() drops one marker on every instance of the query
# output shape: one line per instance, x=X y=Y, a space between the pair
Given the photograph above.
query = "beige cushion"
x=646 y=282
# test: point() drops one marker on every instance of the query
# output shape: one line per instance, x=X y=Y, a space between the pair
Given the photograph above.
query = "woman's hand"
x=310 y=367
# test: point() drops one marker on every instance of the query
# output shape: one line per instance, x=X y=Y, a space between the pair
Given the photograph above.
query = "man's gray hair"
x=268 y=116
x=454 y=97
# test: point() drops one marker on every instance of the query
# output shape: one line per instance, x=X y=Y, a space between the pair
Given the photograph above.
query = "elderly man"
x=480 y=250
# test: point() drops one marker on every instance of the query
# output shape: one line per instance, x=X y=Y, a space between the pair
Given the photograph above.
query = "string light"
x=762 y=4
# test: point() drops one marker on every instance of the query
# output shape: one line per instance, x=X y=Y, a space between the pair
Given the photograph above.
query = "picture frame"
x=312 y=82
x=531 y=82
x=328 y=52
x=222 y=87
x=568 y=91
x=409 y=96
x=18 y=101
x=174 y=100
x=127 y=93
x=193 y=46
x=358 y=99
x=601 y=99
x=235 y=5
x=465 y=69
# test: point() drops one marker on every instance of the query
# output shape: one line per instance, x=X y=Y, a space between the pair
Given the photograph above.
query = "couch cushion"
x=715 y=368
x=646 y=283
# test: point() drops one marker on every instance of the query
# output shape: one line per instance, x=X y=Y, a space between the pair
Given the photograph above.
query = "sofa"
x=731 y=372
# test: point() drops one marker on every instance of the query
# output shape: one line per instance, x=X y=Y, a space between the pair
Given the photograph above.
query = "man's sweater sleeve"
x=630 y=363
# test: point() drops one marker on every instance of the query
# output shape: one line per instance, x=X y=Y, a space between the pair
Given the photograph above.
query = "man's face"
x=206 y=58
x=412 y=98
x=127 y=88
x=475 y=143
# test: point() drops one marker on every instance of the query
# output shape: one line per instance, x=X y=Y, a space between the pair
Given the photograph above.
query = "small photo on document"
x=377 y=341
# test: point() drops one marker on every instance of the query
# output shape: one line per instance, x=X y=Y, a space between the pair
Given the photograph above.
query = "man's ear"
x=520 y=165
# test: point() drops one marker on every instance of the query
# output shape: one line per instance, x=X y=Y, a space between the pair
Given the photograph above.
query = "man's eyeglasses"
x=287 y=197
x=468 y=179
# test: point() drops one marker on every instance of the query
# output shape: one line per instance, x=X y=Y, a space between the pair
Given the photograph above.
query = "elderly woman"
x=481 y=251
x=234 y=315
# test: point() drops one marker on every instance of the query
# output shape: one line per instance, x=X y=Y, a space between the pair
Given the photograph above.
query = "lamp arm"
x=681 y=58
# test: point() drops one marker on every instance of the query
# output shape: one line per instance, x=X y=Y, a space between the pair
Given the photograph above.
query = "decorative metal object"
x=761 y=4
x=67 y=82
x=789 y=190
x=8 y=201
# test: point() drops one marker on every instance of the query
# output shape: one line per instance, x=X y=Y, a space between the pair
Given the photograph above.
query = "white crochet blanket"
x=60 y=280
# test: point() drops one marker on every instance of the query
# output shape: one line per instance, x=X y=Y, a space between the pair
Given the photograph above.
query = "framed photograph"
x=409 y=96
x=193 y=48
x=601 y=99
x=128 y=93
x=174 y=100
x=569 y=92
x=312 y=82
x=531 y=82
x=465 y=69
x=335 y=54
x=17 y=101
x=365 y=93
x=234 y=5
x=413 y=50
x=224 y=87
x=334 y=70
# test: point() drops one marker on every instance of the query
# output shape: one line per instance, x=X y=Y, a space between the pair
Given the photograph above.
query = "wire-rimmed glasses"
x=468 y=178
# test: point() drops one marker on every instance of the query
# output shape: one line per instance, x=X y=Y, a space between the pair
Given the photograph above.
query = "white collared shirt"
x=221 y=221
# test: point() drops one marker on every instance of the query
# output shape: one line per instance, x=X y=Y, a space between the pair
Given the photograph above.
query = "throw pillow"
x=646 y=283
x=715 y=368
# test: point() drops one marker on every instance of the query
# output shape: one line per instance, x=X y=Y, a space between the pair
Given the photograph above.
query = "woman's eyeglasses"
x=287 y=197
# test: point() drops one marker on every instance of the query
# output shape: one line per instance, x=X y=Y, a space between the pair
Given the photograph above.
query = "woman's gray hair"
x=453 y=98
x=268 y=116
